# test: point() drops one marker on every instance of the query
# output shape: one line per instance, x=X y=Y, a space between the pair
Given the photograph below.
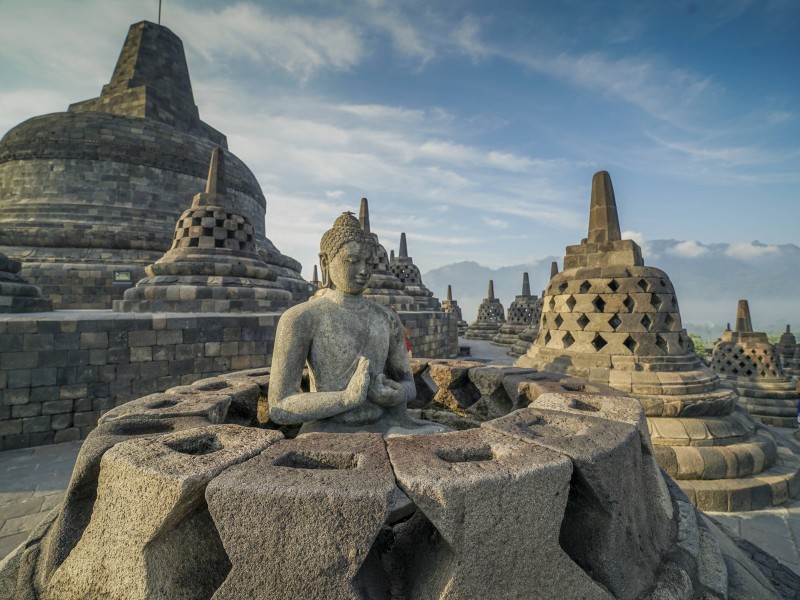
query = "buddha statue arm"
x=397 y=387
x=287 y=406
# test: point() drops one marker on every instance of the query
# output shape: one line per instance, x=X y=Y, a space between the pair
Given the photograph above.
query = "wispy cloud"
x=751 y=250
x=688 y=249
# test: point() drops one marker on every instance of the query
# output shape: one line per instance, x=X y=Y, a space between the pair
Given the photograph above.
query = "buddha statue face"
x=351 y=267
x=346 y=256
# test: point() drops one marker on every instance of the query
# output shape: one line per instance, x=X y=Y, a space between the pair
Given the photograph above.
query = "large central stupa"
x=610 y=319
x=88 y=197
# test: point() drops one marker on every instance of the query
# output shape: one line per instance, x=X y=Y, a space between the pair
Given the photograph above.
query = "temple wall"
x=431 y=334
x=59 y=371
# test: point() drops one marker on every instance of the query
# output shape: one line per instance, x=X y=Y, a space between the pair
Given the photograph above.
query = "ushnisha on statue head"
x=349 y=270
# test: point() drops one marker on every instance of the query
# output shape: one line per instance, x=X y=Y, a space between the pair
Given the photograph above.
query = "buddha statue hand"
x=386 y=392
x=357 y=390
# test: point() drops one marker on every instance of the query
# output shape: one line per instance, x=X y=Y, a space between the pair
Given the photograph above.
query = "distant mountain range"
x=709 y=279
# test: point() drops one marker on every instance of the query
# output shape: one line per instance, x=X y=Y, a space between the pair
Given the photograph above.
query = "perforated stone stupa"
x=521 y=314
x=89 y=196
x=490 y=318
x=745 y=359
x=16 y=294
x=528 y=335
x=451 y=306
x=213 y=265
x=384 y=286
x=612 y=320
x=789 y=353
x=407 y=272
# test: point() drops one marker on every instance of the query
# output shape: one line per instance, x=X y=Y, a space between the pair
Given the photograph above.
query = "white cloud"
x=495 y=223
x=781 y=117
x=747 y=251
x=688 y=249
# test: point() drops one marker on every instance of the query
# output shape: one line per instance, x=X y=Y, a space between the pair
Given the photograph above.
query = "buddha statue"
x=359 y=371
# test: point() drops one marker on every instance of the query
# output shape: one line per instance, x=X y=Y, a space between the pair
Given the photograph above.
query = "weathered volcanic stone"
x=407 y=272
x=451 y=306
x=530 y=333
x=317 y=503
x=151 y=512
x=752 y=365
x=16 y=294
x=788 y=351
x=96 y=190
x=479 y=489
x=490 y=318
x=521 y=314
x=610 y=319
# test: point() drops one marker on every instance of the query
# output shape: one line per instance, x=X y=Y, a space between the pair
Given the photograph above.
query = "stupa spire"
x=315 y=277
x=526 y=285
x=449 y=293
x=553 y=269
x=788 y=330
x=490 y=292
x=391 y=255
x=403 y=246
x=603 y=218
x=363 y=215
x=215 y=184
x=743 y=322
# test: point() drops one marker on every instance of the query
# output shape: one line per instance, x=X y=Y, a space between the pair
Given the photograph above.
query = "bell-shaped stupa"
x=384 y=287
x=612 y=320
x=213 y=265
x=528 y=335
x=451 y=306
x=16 y=294
x=745 y=359
x=490 y=318
x=90 y=195
x=521 y=314
x=788 y=352
x=403 y=267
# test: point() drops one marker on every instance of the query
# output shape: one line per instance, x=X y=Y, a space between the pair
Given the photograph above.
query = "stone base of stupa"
x=508 y=334
x=524 y=341
x=482 y=331
x=773 y=403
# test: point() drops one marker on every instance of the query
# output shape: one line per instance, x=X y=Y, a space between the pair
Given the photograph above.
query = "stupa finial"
x=363 y=215
x=215 y=184
x=743 y=322
x=553 y=269
x=315 y=277
x=526 y=285
x=728 y=327
x=403 y=246
x=490 y=293
x=603 y=218
x=391 y=255
x=449 y=293
x=788 y=329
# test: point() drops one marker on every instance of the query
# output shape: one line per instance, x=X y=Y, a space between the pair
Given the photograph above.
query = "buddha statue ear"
x=323 y=267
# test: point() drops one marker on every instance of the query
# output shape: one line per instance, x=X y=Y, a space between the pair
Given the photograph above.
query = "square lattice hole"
x=585 y=287
x=599 y=304
x=630 y=344
x=643 y=284
x=629 y=303
x=558 y=321
x=571 y=302
x=567 y=340
x=615 y=322
x=583 y=321
x=613 y=285
x=599 y=342
x=646 y=322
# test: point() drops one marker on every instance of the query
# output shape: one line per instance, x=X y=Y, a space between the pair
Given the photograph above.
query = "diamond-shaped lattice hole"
x=629 y=303
x=571 y=302
x=599 y=342
x=663 y=283
x=585 y=287
x=661 y=343
x=547 y=338
x=552 y=303
x=630 y=344
x=646 y=322
x=735 y=371
x=599 y=304
x=655 y=301
x=669 y=321
x=558 y=321
x=741 y=364
x=562 y=287
x=615 y=322
x=583 y=321
x=748 y=372
x=567 y=340
x=643 y=284
x=613 y=285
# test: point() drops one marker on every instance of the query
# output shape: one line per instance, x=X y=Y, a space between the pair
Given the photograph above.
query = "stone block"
x=161 y=483
x=455 y=390
x=209 y=405
x=329 y=494
x=35 y=424
x=20 y=411
x=90 y=340
x=477 y=490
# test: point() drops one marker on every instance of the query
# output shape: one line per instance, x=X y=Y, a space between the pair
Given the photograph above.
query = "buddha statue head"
x=346 y=256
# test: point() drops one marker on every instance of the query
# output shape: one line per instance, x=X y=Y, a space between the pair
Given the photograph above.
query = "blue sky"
x=473 y=126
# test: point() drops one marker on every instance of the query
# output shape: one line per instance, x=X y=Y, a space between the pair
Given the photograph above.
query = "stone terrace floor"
x=33 y=480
